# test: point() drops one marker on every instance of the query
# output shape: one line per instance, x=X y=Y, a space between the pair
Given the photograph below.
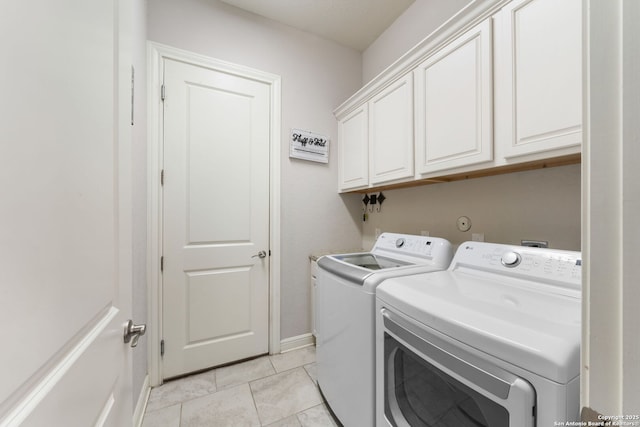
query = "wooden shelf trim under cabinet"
x=571 y=159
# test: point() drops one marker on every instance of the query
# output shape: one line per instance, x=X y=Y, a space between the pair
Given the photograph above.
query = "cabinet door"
x=353 y=150
x=391 y=132
x=454 y=125
x=539 y=76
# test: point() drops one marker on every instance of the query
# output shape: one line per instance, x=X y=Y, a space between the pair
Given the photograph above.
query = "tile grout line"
x=253 y=399
x=309 y=375
x=214 y=372
x=302 y=366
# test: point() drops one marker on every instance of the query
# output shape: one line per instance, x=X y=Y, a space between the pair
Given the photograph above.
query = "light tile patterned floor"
x=275 y=391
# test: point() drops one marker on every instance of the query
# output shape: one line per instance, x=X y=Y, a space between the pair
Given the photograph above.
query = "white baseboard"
x=297 y=342
x=138 y=413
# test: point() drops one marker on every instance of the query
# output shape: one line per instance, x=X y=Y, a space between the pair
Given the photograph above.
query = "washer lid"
x=370 y=261
x=398 y=253
x=509 y=318
x=368 y=276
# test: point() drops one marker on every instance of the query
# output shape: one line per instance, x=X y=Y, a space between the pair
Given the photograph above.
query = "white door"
x=65 y=261
x=215 y=217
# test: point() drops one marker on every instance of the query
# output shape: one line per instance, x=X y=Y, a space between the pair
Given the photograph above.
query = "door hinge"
x=161 y=263
x=162 y=92
x=162 y=177
x=162 y=348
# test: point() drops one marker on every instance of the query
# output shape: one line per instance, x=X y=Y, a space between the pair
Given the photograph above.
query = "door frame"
x=156 y=54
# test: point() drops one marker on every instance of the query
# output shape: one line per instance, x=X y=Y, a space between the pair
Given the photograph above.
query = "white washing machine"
x=345 y=317
x=492 y=341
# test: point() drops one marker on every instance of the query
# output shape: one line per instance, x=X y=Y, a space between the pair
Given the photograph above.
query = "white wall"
x=418 y=21
x=317 y=75
x=540 y=205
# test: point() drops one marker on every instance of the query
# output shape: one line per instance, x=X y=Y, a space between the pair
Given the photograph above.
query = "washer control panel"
x=549 y=266
x=411 y=248
x=404 y=243
x=511 y=259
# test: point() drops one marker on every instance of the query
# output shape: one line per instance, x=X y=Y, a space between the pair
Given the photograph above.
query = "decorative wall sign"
x=309 y=146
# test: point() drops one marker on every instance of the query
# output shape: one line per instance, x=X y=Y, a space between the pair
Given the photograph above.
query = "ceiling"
x=353 y=23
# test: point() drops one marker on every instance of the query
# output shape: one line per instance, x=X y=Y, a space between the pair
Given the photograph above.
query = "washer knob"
x=511 y=259
x=399 y=243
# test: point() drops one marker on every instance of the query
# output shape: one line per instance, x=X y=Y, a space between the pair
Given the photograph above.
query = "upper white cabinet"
x=353 y=149
x=391 y=132
x=454 y=103
x=498 y=88
x=538 y=76
x=376 y=139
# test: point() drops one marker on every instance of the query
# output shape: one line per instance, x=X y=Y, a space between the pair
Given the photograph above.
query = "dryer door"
x=430 y=381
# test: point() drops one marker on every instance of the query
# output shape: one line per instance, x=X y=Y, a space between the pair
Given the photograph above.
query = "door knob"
x=133 y=332
x=261 y=254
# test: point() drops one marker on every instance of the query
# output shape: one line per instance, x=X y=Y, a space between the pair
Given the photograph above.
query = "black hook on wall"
x=366 y=199
x=381 y=199
x=370 y=201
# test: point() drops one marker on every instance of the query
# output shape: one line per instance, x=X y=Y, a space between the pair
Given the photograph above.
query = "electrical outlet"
x=424 y=233
x=477 y=237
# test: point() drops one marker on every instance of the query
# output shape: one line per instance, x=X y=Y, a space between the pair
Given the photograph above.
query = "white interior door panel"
x=216 y=217
x=65 y=233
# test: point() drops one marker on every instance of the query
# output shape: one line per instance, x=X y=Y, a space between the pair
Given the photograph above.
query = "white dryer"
x=345 y=317
x=493 y=341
